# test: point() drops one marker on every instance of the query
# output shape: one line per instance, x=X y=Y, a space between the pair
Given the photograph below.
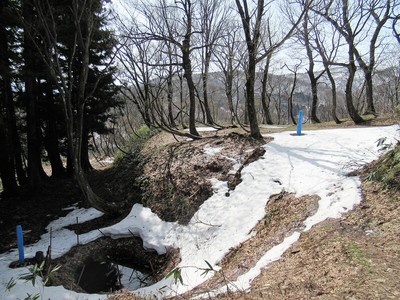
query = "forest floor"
x=354 y=257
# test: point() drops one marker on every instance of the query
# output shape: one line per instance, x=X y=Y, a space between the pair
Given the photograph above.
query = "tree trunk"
x=209 y=118
x=13 y=145
x=334 y=95
x=51 y=137
x=370 y=108
x=170 y=94
x=192 y=97
x=325 y=63
x=264 y=99
x=314 y=102
x=34 y=158
x=310 y=71
x=290 y=99
x=7 y=171
x=349 y=93
x=85 y=159
x=252 y=45
x=187 y=67
x=250 y=102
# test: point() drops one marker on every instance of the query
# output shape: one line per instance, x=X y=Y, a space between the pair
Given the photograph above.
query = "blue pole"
x=299 y=122
x=20 y=241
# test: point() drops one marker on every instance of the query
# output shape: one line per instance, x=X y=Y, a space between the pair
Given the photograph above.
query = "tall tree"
x=340 y=18
x=171 y=23
x=72 y=84
x=351 y=20
x=213 y=16
x=265 y=99
x=253 y=36
x=328 y=56
x=305 y=36
x=252 y=19
x=9 y=141
x=31 y=67
x=229 y=54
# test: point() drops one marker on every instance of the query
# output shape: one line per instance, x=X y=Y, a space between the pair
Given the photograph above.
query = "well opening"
x=106 y=265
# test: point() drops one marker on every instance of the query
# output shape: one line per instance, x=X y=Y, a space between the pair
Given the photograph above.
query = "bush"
x=387 y=169
x=135 y=142
x=397 y=110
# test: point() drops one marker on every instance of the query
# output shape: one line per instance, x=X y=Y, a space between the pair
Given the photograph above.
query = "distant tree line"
x=166 y=44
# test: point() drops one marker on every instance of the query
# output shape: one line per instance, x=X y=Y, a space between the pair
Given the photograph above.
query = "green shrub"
x=387 y=170
x=135 y=142
x=397 y=110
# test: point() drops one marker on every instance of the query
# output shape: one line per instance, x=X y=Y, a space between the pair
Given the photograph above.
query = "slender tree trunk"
x=51 y=137
x=252 y=44
x=34 y=157
x=334 y=96
x=229 y=96
x=85 y=160
x=170 y=94
x=187 y=67
x=250 y=101
x=229 y=75
x=369 y=92
x=325 y=63
x=7 y=171
x=192 y=96
x=290 y=100
x=314 y=102
x=209 y=118
x=349 y=93
x=264 y=97
x=7 y=166
x=310 y=71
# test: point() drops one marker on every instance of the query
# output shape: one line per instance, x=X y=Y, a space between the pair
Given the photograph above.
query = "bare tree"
x=213 y=16
x=357 y=21
x=328 y=55
x=337 y=13
x=290 y=93
x=228 y=55
x=265 y=99
x=305 y=36
x=173 y=24
x=252 y=18
x=136 y=58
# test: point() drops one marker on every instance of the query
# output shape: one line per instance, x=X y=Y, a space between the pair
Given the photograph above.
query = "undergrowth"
x=134 y=144
x=125 y=181
x=387 y=169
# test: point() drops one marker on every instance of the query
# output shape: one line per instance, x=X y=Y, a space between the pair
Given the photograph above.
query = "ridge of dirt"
x=284 y=214
x=177 y=176
x=354 y=257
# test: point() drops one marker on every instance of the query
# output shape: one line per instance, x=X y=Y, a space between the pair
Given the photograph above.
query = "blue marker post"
x=20 y=242
x=299 y=122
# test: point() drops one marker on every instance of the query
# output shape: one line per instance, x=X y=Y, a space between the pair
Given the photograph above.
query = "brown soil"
x=178 y=175
x=173 y=181
x=355 y=257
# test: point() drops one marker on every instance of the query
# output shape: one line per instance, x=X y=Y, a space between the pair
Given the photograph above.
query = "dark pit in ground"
x=97 y=267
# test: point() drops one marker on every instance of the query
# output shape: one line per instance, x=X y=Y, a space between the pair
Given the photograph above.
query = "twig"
x=77 y=234
x=80 y=276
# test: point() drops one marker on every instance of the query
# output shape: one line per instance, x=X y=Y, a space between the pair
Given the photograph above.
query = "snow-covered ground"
x=314 y=163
